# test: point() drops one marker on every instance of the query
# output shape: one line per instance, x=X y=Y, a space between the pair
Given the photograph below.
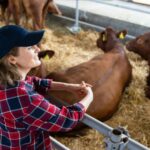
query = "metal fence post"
x=75 y=28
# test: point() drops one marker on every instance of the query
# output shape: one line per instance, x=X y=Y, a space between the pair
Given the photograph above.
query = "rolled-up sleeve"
x=41 y=85
x=42 y=115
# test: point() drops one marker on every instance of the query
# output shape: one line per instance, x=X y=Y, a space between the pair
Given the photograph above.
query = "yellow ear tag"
x=103 y=37
x=121 y=36
x=46 y=57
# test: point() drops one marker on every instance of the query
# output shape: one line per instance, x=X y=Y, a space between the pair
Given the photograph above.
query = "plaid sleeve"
x=41 y=85
x=43 y=115
x=42 y=82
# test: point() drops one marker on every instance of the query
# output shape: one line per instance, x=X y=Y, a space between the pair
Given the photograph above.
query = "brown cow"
x=15 y=9
x=37 y=10
x=108 y=73
x=141 y=46
x=32 y=9
x=53 y=8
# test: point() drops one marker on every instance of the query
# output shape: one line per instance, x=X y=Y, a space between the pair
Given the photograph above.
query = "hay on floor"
x=133 y=112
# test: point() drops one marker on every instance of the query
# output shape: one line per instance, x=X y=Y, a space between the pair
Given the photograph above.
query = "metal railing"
x=105 y=130
x=57 y=145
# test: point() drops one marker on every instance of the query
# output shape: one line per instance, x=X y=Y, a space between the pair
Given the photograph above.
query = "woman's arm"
x=41 y=114
x=68 y=86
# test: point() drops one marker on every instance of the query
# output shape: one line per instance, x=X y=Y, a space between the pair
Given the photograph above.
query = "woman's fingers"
x=83 y=84
x=88 y=85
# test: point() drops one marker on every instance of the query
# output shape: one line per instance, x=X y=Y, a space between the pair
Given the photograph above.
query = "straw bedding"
x=133 y=113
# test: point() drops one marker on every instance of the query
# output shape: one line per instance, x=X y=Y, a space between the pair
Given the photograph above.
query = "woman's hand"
x=83 y=91
x=88 y=98
x=80 y=90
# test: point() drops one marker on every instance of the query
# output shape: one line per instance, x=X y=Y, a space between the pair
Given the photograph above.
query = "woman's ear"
x=12 y=59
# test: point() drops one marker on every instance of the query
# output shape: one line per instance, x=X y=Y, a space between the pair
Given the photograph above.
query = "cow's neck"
x=116 y=46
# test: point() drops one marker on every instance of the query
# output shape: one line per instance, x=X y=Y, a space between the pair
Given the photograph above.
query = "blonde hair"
x=8 y=72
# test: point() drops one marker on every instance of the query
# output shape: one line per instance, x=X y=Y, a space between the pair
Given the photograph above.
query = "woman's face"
x=27 y=57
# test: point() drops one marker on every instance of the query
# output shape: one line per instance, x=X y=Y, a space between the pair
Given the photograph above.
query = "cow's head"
x=140 y=45
x=109 y=37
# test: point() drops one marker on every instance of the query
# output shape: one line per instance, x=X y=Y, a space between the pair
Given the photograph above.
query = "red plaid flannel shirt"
x=26 y=117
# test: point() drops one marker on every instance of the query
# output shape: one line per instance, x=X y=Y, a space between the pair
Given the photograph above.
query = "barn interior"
x=72 y=49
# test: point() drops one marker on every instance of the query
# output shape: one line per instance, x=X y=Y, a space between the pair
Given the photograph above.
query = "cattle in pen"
x=109 y=74
x=35 y=10
x=141 y=46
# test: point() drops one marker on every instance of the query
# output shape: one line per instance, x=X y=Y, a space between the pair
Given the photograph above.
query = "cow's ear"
x=122 y=34
x=103 y=36
x=50 y=53
x=46 y=54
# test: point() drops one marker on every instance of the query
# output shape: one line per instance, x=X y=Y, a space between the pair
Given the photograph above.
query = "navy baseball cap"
x=12 y=36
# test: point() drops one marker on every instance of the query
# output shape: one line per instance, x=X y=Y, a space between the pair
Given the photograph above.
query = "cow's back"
x=108 y=74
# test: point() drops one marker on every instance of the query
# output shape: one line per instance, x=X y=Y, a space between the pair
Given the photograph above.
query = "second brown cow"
x=141 y=46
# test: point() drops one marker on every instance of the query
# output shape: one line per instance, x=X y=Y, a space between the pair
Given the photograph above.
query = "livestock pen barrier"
x=116 y=139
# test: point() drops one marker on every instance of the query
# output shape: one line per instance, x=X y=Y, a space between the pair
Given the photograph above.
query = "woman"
x=26 y=117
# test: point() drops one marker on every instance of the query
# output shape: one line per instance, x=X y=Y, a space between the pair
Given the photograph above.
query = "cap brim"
x=31 y=38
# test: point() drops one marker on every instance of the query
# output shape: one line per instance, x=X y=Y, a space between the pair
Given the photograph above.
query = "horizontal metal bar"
x=58 y=145
x=103 y=128
x=96 y=124
x=96 y=27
